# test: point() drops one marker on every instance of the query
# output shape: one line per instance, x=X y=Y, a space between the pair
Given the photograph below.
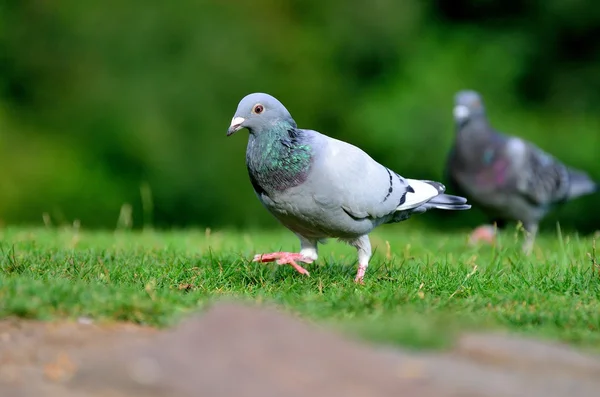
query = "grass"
x=421 y=291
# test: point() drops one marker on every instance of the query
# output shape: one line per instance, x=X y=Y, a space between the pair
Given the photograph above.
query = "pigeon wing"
x=538 y=177
x=350 y=179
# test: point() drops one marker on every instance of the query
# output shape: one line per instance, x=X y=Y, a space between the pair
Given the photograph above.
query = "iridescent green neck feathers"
x=278 y=157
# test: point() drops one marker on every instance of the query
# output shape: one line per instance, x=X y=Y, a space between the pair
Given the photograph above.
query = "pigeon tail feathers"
x=447 y=202
x=581 y=184
x=428 y=195
x=419 y=192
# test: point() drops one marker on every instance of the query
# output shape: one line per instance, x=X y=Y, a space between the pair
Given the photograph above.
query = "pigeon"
x=320 y=187
x=509 y=178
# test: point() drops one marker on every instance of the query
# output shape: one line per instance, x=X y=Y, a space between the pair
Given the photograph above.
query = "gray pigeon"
x=509 y=178
x=320 y=187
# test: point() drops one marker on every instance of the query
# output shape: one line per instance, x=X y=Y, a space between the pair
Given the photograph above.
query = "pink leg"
x=485 y=233
x=285 y=258
x=360 y=274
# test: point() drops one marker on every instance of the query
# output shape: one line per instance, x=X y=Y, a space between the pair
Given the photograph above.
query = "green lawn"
x=421 y=292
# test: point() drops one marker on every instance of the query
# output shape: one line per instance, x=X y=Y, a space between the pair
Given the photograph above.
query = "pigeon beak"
x=236 y=125
x=461 y=112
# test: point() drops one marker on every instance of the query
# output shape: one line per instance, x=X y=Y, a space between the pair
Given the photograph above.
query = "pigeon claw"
x=285 y=258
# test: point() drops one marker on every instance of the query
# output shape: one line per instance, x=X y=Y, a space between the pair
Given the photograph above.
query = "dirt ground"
x=238 y=350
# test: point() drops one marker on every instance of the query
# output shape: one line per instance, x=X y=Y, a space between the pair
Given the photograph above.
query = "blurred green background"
x=106 y=106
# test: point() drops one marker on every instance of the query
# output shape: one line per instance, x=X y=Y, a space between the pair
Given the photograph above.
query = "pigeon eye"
x=258 y=109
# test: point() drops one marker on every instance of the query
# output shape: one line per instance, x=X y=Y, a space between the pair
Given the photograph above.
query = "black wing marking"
x=391 y=189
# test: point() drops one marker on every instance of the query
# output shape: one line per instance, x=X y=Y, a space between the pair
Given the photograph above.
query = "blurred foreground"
x=235 y=350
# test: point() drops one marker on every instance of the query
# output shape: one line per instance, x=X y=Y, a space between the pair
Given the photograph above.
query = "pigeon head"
x=467 y=104
x=258 y=112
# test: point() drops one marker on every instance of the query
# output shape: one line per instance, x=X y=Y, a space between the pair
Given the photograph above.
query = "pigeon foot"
x=483 y=233
x=285 y=258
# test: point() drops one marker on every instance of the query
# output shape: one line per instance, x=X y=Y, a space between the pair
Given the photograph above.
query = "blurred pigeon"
x=509 y=178
x=320 y=187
